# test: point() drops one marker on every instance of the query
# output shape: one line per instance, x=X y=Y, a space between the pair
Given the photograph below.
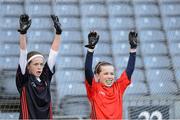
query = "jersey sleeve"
x=123 y=82
x=20 y=78
x=47 y=73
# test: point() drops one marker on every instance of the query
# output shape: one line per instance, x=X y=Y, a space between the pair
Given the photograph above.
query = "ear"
x=96 y=76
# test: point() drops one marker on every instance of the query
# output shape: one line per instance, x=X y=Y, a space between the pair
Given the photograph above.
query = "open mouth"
x=109 y=82
x=38 y=72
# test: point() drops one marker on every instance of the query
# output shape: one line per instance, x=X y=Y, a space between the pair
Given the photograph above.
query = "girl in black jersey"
x=34 y=75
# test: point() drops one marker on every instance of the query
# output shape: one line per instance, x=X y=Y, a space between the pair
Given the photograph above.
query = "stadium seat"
x=121 y=61
x=94 y=23
x=174 y=48
x=156 y=62
x=123 y=9
x=9 y=63
x=9 y=36
x=66 y=1
x=43 y=48
x=71 y=49
x=91 y=1
x=149 y=48
x=171 y=23
x=9 y=23
x=41 y=23
x=71 y=36
x=144 y=1
x=177 y=75
x=170 y=9
x=70 y=23
x=103 y=49
x=176 y=61
x=148 y=23
x=136 y=88
x=38 y=9
x=70 y=76
x=99 y=58
x=10 y=9
x=159 y=75
x=138 y=75
x=9 y=49
x=173 y=35
x=146 y=9
x=121 y=23
x=66 y=10
x=93 y=10
x=119 y=35
x=162 y=88
x=70 y=62
x=151 y=36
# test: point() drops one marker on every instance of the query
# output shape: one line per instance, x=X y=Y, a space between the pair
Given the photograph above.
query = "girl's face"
x=106 y=76
x=36 y=66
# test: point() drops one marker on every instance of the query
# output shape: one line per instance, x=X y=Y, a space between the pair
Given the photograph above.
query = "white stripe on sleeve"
x=52 y=59
x=23 y=60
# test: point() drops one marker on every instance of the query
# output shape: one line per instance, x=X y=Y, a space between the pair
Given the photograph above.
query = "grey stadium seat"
x=43 y=48
x=121 y=23
x=93 y=9
x=66 y=10
x=119 y=35
x=122 y=9
x=173 y=35
x=171 y=22
x=177 y=75
x=103 y=49
x=99 y=58
x=9 y=49
x=70 y=23
x=174 y=48
x=71 y=36
x=170 y=9
x=176 y=61
x=9 y=63
x=9 y=22
x=156 y=62
x=149 y=48
x=41 y=23
x=9 y=36
x=148 y=23
x=146 y=10
x=151 y=36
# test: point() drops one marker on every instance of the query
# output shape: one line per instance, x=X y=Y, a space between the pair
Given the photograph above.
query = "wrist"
x=132 y=50
x=90 y=50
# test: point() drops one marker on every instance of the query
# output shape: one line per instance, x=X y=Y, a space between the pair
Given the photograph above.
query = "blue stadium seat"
x=70 y=23
x=122 y=61
x=136 y=88
x=38 y=9
x=122 y=49
x=159 y=75
x=146 y=10
x=40 y=36
x=119 y=35
x=170 y=9
x=168 y=1
x=162 y=88
x=71 y=49
x=173 y=35
x=93 y=10
x=177 y=75
x=156 y=62
x=176 y=61
x=121 y=23
x=8 y=9
x=66 y=1
x=171 y=22
x=9 y=49
x=174 y=48
x=149 y=48
x=123 y=9
x=66 y=10
x=41 y=23
x=9 y=22
x=70 y=76
x=94 y=23
x=70 y=62
x=99 y=58
x=43 y=48
x=138 y=75
x=148 y=23
x=91 y=1
x=71 y=36
x=9 y=36
x=144 y=1
x=151 y=36
x=103 y=49
x=9 y=63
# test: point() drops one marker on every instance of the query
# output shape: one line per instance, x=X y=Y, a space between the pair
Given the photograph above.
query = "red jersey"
x=106 y=102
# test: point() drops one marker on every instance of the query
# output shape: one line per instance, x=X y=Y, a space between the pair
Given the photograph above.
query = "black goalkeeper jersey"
x=35 y=97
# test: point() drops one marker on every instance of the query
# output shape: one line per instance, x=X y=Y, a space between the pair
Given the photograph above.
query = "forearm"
x=88 y=66
x=22 y=41
x=56 y=43
x=131 y=63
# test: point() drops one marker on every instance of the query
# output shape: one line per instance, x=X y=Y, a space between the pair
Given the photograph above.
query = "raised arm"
x=25 y=23
x=93 y=39
x=56 y=42
x=132 y=58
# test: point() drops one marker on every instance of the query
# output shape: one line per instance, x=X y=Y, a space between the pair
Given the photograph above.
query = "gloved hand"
x=57 y=24
x=133 y=39
x=25 y=23
x=93 y=39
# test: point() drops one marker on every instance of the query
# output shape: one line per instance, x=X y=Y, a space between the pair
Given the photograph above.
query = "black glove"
x=133 y=39
x=57 y=24
x=25 y=23
x=93 y=39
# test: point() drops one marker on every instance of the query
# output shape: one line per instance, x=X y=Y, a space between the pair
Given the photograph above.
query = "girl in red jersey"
x=106 y=94
x=34 y=75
